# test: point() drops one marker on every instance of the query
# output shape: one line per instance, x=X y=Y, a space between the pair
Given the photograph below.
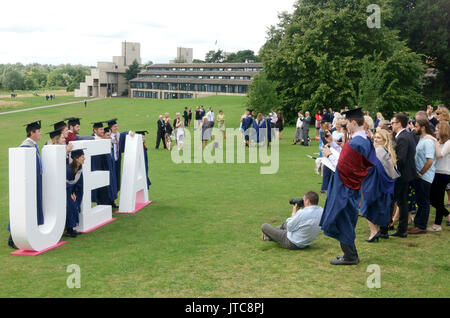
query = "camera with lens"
x=344 y=126
x=300 y=203
x=412 y=121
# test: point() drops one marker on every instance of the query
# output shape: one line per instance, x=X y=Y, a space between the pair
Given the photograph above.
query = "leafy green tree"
x=132 y=71
x=315 y=55
x=241 y=57
x=214 y=57
x=13 y=80
x=262 y=95
x=387 y=86
x=425 y=25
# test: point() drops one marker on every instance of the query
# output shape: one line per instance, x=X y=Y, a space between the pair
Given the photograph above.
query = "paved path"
x=47 y=106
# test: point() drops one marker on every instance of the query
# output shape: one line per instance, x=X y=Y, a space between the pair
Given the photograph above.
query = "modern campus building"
x=192 y=80
x=108 y=78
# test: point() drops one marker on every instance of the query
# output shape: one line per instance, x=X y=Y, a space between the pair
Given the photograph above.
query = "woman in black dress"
x=167 y=133
x=280 y=123
x=189 y=116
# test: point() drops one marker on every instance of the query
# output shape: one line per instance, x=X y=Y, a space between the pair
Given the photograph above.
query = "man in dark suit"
x=160 y=133
x=405 y=149
x=305 y=128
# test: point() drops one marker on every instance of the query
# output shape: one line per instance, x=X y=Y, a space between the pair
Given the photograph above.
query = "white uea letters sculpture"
x=92 y=217
x=133 y=188
x=25 y=231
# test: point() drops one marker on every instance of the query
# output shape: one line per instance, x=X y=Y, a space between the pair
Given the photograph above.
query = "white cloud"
x=87 y=31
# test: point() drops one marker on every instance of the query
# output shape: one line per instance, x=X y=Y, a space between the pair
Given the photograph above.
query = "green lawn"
x=201 y=235
x=9 y=104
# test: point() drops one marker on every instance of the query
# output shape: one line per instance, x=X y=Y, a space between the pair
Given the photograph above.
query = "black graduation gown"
x=108 y=194
x=146 y=167
x=74 y=184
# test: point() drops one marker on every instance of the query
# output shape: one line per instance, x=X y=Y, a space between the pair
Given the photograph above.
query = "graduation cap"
x=142 y=132
x=97 y=124
x=72 y=121
x=77 y=153
x=112 y=122
x=33 y=126
x=56 y=132
x=354 y=113
x=59 y=125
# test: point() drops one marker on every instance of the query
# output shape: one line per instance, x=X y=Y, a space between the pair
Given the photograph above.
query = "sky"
x=87 y=31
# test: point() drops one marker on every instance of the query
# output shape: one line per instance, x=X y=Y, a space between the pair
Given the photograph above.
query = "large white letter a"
x=133 y=188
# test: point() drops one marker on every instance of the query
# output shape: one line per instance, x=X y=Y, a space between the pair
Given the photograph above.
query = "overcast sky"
x=87 y=31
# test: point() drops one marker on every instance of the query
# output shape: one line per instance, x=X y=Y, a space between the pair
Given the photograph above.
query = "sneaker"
x=264 y=237
x=434 y=228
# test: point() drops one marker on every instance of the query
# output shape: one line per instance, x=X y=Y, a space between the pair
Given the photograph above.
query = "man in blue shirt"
x=425 y=159
x=300 y=230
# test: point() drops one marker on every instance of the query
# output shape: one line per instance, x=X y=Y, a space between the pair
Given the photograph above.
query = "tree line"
x=324 y=54
x=220 y=56
x=40 y=76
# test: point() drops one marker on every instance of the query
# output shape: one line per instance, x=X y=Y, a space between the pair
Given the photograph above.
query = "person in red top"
x=74 y=129
x=318 y=118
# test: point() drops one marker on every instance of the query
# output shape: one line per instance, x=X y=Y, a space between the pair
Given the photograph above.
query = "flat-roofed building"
x=192 y=80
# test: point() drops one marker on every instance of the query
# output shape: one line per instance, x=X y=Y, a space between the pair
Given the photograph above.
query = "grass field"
x=26 y=99
x=201 y=235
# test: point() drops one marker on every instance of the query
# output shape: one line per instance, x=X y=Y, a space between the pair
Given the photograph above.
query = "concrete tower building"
x=108 y=78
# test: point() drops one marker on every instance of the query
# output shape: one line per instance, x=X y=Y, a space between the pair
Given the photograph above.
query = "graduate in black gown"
x=74 y=191
x=108 y=194
x=34 y=134
x=118 y=144
x=143 y=132
x=97 y=133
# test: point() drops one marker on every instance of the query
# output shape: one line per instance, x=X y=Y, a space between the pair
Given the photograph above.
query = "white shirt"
x=299 y=123
x=210 y=116
x=274 y=118
x=337 y=135
x=443 y=164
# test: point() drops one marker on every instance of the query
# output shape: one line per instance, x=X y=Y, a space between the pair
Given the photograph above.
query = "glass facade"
x=221 y=88
x=164 y=80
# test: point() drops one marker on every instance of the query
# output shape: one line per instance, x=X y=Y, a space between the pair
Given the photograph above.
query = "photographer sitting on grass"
x=301 y=229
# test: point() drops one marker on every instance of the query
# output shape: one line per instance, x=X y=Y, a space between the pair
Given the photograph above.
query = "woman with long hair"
x=259 y=123
x=318 y=118
x=74 y=191
x=442 y=176
x=57 y=138
x=179 y=127
x=280 y=123
x=221 y=122
x=206 y=131
x=168 y=133
x=376 y=204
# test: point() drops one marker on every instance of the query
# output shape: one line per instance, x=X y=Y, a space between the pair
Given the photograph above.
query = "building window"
x=242 y=89
x=212 y=88
x=138 y=94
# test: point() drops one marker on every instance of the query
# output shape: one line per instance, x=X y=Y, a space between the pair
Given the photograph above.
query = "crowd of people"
x=64 y=133
x=382 y=171
x=168 y=131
